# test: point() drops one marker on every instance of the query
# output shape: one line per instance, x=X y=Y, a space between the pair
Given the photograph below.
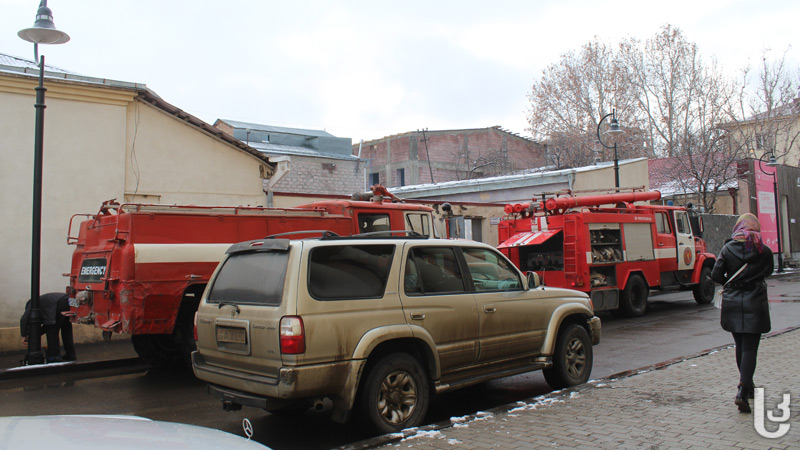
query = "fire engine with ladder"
x=615 y=253
x=141 y=269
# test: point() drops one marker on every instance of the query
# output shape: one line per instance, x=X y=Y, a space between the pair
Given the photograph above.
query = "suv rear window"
x=255 y=278
x=347 y=272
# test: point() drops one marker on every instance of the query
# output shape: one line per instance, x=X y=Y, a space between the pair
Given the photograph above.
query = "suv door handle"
x=417 y=316
x=489 y=309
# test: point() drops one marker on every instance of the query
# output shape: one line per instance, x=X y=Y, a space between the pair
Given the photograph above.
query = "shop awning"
x=528 y=238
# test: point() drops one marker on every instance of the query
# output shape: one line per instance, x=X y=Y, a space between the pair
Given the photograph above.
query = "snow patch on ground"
x=525 y=406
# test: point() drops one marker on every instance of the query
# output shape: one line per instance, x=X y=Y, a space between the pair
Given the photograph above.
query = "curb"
x=40 y=370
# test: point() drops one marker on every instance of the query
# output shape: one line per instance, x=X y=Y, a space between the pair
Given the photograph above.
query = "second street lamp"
x=774 y=164
x=613 y=130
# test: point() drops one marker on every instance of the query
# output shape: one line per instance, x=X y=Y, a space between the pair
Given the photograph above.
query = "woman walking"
x=745 y=309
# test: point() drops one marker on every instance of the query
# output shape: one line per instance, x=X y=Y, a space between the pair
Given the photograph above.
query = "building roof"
x=291 y=141
x=530 y=177
x=789 y=109
x=22 y=63
x=274 y=129
x=281 y=149
x=26 y=68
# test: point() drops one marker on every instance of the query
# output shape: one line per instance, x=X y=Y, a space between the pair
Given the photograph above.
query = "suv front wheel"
x=395 y=394
x=572 y=358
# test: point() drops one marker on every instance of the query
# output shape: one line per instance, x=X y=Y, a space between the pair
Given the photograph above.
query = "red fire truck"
x=141 y=269
x=616 y=253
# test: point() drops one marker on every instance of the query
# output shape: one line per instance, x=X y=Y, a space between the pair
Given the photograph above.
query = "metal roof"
x=22 y=63
x=299 y=151
x=532 y=177
x=274 y=129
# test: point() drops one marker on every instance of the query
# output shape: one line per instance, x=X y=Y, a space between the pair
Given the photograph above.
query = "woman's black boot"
x=741 y=399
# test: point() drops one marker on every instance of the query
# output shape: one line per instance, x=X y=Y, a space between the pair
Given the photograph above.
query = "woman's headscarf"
x=748 y=230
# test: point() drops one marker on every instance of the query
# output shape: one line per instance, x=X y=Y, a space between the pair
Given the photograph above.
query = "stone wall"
x=316 y=175
x=717 y=228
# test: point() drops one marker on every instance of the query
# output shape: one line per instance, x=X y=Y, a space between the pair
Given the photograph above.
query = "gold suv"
x=378 y=324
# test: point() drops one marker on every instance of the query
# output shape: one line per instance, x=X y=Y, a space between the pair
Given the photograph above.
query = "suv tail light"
x=194 y=330
x=293 y=337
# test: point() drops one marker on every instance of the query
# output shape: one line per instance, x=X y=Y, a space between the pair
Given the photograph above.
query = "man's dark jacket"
x=48 y=305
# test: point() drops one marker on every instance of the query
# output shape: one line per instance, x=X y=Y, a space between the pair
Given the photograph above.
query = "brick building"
x=422 y=157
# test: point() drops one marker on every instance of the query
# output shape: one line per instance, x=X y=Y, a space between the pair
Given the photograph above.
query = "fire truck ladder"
x=570 y=248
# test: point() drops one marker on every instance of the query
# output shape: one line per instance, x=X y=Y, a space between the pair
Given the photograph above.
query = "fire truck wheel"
x=160 y=350
x=633 y=301
x=572 y=358
x=704 y=290
x=168 y=351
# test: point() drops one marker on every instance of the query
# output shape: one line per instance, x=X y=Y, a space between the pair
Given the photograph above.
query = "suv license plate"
x=231 y=335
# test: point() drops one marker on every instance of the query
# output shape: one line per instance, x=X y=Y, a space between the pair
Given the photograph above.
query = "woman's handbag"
x=718 y=294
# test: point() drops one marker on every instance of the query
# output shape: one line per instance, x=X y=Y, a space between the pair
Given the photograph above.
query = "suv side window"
x=251 y=278
x=349 y=272
x=490 y=272
x=433 y=270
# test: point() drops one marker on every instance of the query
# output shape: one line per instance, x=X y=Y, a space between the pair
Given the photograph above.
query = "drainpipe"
x=281 y=170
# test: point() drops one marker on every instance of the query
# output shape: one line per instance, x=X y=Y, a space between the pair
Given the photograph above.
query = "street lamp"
x=613 y=130
x=43 y=32
x=774 y=164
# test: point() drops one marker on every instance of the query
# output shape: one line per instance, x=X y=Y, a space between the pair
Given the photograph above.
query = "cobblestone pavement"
x=684 y=405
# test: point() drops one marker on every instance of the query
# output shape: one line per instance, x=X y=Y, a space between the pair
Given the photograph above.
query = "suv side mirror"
x=533 y=280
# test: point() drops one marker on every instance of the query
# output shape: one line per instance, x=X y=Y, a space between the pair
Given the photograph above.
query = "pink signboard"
x=765 y=195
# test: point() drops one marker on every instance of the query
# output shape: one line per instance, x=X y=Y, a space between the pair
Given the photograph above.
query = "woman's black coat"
x=745 y=308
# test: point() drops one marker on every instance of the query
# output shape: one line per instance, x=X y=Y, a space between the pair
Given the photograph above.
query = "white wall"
x=97 y=141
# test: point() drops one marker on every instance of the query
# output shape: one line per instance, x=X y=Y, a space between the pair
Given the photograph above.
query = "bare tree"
x=685 y=101
x=768 y=112
x=672 y=104
x=571 y=97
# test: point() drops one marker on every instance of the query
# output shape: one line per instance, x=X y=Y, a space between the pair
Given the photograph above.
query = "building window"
x=401 y=177
x=374 y=178
x=760 y=144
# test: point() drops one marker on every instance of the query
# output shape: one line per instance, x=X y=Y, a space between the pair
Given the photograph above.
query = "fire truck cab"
x=615 y=253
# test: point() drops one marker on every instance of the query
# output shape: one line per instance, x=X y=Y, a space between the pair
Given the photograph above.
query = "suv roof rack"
x=388 y=234
x=323 y=234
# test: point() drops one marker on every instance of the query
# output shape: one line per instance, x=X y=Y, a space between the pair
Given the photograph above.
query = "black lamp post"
x=774 y=164
x=43 y=32
x=614 y=130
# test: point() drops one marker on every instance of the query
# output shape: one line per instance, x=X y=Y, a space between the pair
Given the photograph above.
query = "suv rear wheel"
x=395 y=394
x=572 y=358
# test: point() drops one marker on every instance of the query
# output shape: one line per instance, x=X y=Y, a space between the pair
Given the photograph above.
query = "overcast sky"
x=368 y=69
